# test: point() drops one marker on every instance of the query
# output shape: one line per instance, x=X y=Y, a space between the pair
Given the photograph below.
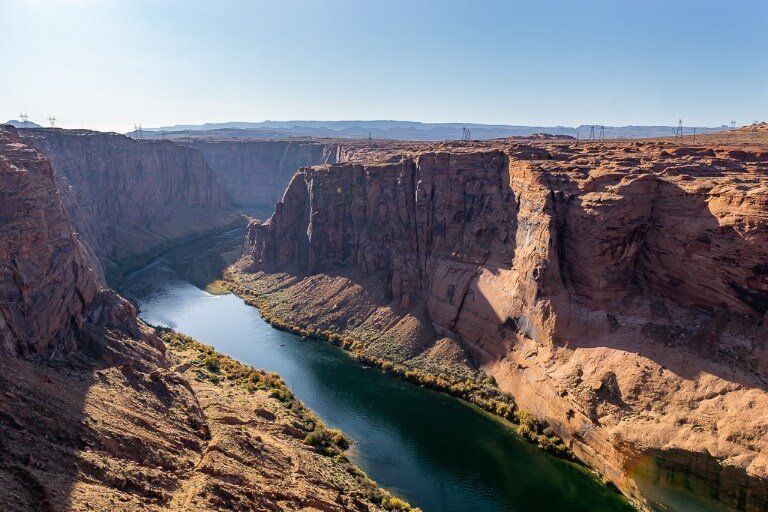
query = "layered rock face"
x=617 y=291
x=110 y=420
x=45 y=283
x=130 y=199
x=256 y=172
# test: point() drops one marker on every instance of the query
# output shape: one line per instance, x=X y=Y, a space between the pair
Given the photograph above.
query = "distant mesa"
x=23 y=124
x=402 y=130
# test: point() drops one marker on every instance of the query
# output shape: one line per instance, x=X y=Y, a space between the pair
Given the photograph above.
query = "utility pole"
x=52 y=120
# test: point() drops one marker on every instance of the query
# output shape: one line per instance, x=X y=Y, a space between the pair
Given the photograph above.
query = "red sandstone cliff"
x=128 y=198
x=46 y=284
x=256 y=172
x=618 y=291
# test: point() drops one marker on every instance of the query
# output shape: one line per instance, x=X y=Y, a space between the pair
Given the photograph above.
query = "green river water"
x=436 y=451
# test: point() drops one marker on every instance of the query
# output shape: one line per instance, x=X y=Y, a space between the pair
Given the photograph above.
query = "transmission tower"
x=466 y=134
x=592 y=132
x=139 y=132
x=52 y=120
x=23 y=117
x=733 y=125
x=679 y=130
x=602 y=132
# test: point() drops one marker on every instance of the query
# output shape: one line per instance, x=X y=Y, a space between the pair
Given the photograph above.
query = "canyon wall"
x=617 y=291
x=52 y=301
x=256 y=172
x=98 y=413
x=130 y=199
x=46 y=286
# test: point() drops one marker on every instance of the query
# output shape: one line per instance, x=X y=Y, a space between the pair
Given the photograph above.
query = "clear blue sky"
x=106 y=64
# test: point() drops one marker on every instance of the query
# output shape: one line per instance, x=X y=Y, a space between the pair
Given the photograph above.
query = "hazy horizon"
x=109 y=65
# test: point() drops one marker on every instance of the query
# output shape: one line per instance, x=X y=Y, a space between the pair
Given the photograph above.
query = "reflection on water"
x=436 y=451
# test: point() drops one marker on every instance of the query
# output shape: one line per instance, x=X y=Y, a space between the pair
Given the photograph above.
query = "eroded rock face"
x=116 y=422
x=45 y=283
x=618 y=291
x=256 y=172
x=129 y=198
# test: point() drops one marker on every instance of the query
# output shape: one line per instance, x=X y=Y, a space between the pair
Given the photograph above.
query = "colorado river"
x=433 y=450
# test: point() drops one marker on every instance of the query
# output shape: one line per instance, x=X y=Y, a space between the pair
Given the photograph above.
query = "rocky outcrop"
x=256 y=172
x=45 y=283
x=130 y=199
x=617 y=291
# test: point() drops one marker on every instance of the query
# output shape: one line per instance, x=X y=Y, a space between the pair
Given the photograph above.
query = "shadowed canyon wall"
x=256 y=172
x=46 y=283
x=130 y=199
x=97 y=413
x=617 y=291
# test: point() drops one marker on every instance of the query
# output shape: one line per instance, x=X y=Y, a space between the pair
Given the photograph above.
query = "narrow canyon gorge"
x=130 y=199
x=611 y=297
x=245 y=266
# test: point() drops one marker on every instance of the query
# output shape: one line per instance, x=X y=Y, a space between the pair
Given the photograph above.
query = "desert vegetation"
x=481 y=392
x=220 y=370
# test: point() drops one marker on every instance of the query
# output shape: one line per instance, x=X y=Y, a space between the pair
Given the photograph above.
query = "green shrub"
x=211 y=363
x=327 y=441
x=282 y=394
x=395 y=504
x=339 y=439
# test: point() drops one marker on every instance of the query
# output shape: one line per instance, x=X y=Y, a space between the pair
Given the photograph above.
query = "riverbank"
x=438 y=452
x=256 y=422
x=663 y=488
x=474 y=387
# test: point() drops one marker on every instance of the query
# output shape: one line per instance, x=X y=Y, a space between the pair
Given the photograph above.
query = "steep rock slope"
x=618 y=291
x=130 y=199
x=46 y=285
x=256 y=172
x=96 y=414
